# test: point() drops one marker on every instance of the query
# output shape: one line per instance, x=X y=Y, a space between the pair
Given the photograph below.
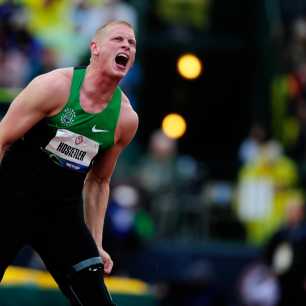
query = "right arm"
x=40 y=98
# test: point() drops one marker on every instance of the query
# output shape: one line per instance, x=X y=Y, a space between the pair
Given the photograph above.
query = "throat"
x=92 y=106
x=97 y=90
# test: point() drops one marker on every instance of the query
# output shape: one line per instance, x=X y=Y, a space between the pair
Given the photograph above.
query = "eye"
x=132 y=42
x=118 y=38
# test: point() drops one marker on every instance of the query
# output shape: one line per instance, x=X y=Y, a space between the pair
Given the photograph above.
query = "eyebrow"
x=122 y=35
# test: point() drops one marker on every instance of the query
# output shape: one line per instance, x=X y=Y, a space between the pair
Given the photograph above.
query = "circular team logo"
x=68 y=116
x=78 y=140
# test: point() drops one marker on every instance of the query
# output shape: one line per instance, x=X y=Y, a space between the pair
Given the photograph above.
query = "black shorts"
x=41 y=206
x=57 y=231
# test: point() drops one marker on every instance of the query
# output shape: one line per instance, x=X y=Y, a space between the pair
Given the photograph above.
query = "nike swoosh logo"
x=94 y=130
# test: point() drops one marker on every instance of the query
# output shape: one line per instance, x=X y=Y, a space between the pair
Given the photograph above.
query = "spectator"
x=20 y=51
x=128 y=226
x=157 y=169
x=285 y=253
x=250 y=147
x=264 y=188
x=161 y=173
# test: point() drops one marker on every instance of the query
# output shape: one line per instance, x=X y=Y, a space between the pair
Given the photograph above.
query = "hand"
x=107 y=261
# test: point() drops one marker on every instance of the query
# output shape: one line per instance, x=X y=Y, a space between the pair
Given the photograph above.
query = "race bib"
x=71 y=150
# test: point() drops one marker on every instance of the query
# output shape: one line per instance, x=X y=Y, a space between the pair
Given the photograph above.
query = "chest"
x=79 y=136
x=98 y=128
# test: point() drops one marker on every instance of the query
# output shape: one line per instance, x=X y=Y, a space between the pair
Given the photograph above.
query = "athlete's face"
x=115 y=49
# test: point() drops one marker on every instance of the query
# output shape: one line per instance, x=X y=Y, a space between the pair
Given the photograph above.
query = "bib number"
x=72 y=150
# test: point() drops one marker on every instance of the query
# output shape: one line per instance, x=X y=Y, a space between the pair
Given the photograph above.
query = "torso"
x=27 y=157
x=79 y=135
x=62 y=95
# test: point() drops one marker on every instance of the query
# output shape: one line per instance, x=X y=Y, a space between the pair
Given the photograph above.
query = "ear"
x=94 y=48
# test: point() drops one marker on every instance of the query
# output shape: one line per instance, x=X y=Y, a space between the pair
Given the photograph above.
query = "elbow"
x=93 y=179
x=104 y=185
x=5 y=141
x=3 y=149
x=6 y=146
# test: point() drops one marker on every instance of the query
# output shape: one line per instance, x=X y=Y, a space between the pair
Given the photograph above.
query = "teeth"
x=123 y=54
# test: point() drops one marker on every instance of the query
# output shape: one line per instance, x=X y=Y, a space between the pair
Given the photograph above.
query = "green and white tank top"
x=78 y=135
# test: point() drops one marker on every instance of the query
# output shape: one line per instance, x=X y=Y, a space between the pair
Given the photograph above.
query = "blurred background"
x=207 y=203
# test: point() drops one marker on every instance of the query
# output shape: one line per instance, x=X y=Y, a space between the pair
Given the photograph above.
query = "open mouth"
x=121 y=59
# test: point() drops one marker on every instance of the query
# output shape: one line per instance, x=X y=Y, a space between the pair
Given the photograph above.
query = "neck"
x=98 y=86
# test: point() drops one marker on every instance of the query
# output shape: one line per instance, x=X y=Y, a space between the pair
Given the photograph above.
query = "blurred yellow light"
x=174 y=126
x=189 y=66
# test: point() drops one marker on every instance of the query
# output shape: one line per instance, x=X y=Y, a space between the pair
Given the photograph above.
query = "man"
x=59 y=140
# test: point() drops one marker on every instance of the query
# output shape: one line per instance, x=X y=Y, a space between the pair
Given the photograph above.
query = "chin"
x=119 y=74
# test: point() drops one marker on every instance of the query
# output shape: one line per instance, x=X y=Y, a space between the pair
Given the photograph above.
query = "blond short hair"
x=103 y=28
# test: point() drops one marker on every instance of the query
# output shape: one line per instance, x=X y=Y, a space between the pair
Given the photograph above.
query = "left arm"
x=95 y=197
x=96 y=186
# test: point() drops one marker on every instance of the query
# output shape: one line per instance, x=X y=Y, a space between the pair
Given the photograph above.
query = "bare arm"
x=35 y=102
x=96 y=187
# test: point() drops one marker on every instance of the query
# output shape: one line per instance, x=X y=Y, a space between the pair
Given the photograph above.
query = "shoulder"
x=55 y=79
x=51 y=89
x=128 y=121
x=129 y=116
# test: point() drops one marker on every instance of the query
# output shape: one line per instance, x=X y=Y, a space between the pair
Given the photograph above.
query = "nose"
x=126 y=44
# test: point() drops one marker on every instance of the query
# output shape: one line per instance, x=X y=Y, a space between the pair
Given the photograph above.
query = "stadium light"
x=174 y=126
x=189 y=66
